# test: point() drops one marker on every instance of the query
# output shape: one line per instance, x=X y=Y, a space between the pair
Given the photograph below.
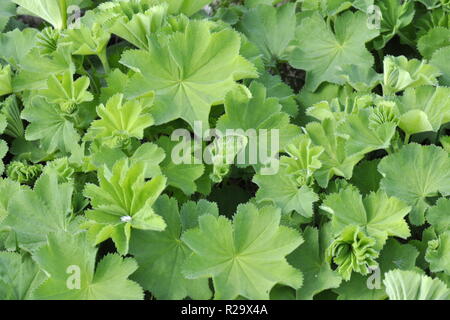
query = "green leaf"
x=335 y=160
x=366 y=176
x=5 y=80
x=414 y=174
x=435 y=39
x=290 y=188
x=66 y=92
x=438 y=253
x=439 y=60
x=360 y=78
x=54 y=12
x=245 y=257
x=138 y=29
x=36 y=68
x=334 y=7
x=438 y=216
x=161 y=255
x=364 y=137
x=278 y=89
x=122 y=202
x=33 y=214
x=86 y=40
x=19 y=276
x=259 y=119
x=119 y=122
x=179 y=64
x=50 y=126
x=69 y=261
x=8 y=188
x=378 y=215
x=187 y=7
x=395 y=16
x=7 y=10
x=16 y=44
x=321 y=50
x=353 y=251
x=310 y=259
x=271 y=29
x=10 y=109
x=410 y=285
x=180 y=175
x=370 y=287
x=401 y=73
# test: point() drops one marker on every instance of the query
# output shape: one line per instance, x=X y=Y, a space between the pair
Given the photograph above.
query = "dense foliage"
x=350 y=199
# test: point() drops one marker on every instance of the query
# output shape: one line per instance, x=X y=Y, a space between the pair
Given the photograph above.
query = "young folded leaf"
x=120 y=121
x=123 y=202
x=378 y=215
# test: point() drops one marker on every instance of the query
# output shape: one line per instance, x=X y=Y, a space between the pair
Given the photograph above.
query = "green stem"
x=63 y=10
x=104 y=60
x=407 y=136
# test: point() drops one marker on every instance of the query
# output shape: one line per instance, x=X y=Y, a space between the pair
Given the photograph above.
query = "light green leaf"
x=137 y=29
x=353 y=251
x=414 y=174
x=321 y=51
x=122 y=202
x=335 y=160
x=8 y=188
x=440 y=60
x=370 y=287
x=33 y=214
x=290 y=188
x=161 y=255
x=66 y=92
x=54 y=12
x=69 y=261
x=16 y=44
x=360 y=78
x=271 y=29
x=19 y=276
x=401 y=73
x=245 y=257
x=259 y=119
x=395 y=16
x=410 y=285
x=439 y=215
x=175 y=69
x=180 y=175
x=378 y=215
x=86 y=40
x=438 y=253
x=36 y=68
x=119 y=122
x=363 y=136
x=49 y=125
x=310 y=259
x=435 y=39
